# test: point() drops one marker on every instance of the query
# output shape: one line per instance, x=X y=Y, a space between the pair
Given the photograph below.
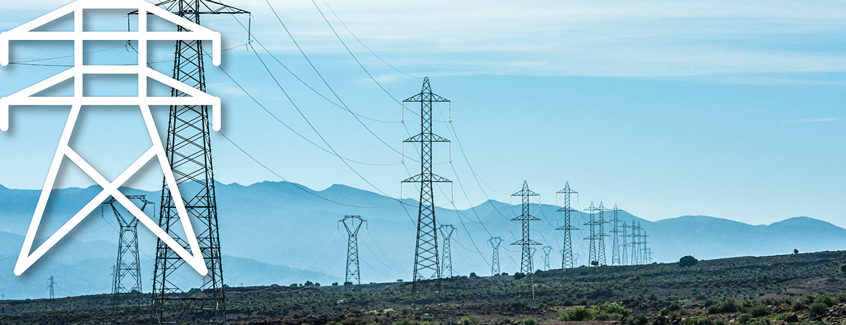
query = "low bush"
x=697 y=321
x=530 y=321
x=759 y=310
x=798 y=305
x=817 y=309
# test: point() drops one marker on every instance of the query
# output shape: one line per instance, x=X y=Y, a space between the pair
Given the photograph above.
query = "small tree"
x=594 y=263
x=795 y=251
x=473 y=275
x=688 y=261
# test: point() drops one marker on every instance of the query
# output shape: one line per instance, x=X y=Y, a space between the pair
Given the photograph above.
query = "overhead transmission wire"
x=295 y=132
x=327 y=83
x=365 y=46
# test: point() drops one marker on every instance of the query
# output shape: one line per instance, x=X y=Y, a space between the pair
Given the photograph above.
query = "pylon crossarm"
x=428 y=137
x=426 y=178
x=221 y=8
x=424 y=97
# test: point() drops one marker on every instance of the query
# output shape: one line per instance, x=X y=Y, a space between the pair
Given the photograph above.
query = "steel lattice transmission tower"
x=188 y=150
x=601 y=235
x=51 y=285
x=546 y=251
x=426 y=263
x=127 y=269
x=624 y=246
x=635 y=243
x=567 y=260
x=446 y=232
x=352 y=224
x=592 y=255
x=615 y=237
x=526 y=242
x=644 y=247
x=495 y=242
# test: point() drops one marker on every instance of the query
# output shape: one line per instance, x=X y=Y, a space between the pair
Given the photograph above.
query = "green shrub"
x=747 y=303
x=827 y=300
x=640 y=319
x=727 y=306
x=407 y=322
x=743 y=319
x=578 y=314
x=530 y=321
x=634 y=278
x=759 y=311
x=696 y=320
x=798 y=305
x=470 y=320
x=817 y=309
x=674 y=306
x=664 y=312
x=609 y=309
x=688 y=261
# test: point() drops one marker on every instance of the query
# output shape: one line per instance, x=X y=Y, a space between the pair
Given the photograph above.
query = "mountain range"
x=282 y=233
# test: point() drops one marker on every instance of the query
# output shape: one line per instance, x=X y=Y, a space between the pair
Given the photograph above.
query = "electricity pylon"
x=446 y=232
x=624 y=245
x=615 y=240
x=567 y=254
x=546 y=251
x=592 y=255
x=649 y=255
x=601 y=235
x=127 y=269
x=426 y=247
x=495 y=242
x=352 y=228
x=526 y=242
x=188 y=149
x=635 y=243
x=644 y=247
x=51 y=286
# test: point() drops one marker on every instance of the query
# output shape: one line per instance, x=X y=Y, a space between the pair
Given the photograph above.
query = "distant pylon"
x=546 y=251
x=567 y=260
x=51 y=286
x=533 y=251
x=644 y=247
x=495 y=242
x=601 y=235
x=624 y=245
x=615 y=240
x=649 y=255
x=526 y=242
x=592 y=255
x=446 y=232
x=635 y=243
x=127 y=269
x=426 y=263
x=353 y=271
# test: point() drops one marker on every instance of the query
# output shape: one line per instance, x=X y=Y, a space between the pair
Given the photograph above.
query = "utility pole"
x=188 y=150
x=51 y=286
x=615 y=241
x=546 y=251
x=426 y=248
x=446 y=232
x=126 y=278
x=592 y=255
x=601 y=235
x=352 y=224
x=495 y=242
x=624 y=245
x=567 y=260
x=526 y=242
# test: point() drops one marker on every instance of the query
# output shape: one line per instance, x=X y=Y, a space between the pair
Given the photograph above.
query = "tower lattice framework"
x=546 y=251
x=426 y=263
x=352 y=223
x=188 y=149
x=567 y=260
x=525 y=242
x=446 y=265
x=615 y=236
x=592 y=255
x=495 y=242
x=635 y=244
x=624 y=246
x=601 y=235
x=644 y=247
x=126 y=283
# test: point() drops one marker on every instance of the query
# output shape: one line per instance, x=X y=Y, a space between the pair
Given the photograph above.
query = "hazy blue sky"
x=732 y=109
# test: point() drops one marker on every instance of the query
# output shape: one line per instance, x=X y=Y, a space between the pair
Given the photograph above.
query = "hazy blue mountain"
x=279 y=232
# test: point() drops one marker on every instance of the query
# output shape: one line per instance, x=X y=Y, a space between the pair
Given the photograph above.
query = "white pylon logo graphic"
x=78 y=35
